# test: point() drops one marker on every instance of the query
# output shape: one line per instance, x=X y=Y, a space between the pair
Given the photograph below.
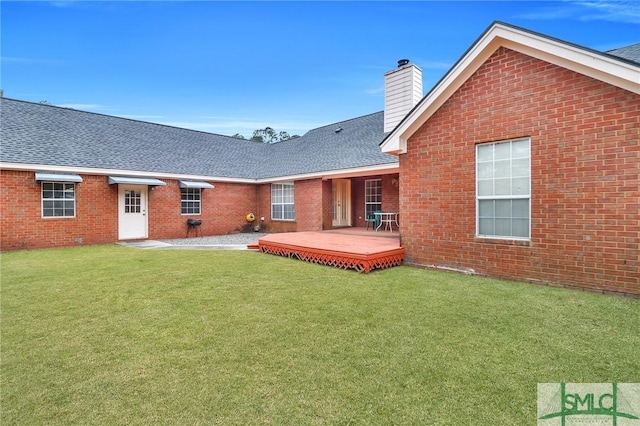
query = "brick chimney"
x=402 y=91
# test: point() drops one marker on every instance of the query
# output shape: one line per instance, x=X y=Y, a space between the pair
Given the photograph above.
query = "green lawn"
x=115 y=335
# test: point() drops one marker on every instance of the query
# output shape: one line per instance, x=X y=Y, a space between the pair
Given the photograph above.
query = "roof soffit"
x=590 y=63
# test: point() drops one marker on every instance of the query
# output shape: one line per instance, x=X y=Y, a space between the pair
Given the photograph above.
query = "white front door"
x=341 y=202
x=132 y=212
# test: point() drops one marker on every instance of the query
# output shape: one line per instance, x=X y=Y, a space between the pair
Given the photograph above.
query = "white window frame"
x=282 y=195
x=193 y=203
x=53 y=199
x=368 y=202
x=519 y=169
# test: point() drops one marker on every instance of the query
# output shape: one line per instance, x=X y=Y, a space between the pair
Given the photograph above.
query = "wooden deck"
x=352 y=248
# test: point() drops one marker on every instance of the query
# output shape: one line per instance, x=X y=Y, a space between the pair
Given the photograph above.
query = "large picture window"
x=503 y=178
x=58 y=199
x=282 y=207
x=190 y=200
x=372 y=196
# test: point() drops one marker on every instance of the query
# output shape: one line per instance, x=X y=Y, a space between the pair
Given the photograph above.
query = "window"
x=58 y=199
x=132 y=201
x=503 y=177
x=190 y=200
x=282 y=207
x=372 y=196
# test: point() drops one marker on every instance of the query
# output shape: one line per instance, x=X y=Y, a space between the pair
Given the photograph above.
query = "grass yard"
x=115 y=335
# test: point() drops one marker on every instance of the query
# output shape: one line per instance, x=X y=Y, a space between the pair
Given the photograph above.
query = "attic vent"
x=338 y=130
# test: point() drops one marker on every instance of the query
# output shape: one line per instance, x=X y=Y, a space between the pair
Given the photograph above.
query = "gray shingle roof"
x=43 y=134
x=631 y=53
x=33 y=133
x=326 y=149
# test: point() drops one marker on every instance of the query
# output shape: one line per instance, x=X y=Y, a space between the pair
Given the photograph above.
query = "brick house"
x=75 y=178
x=523 y=163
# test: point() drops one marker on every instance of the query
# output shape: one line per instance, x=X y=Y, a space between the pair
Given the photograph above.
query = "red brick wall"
x=308 y=198
x=223 y=211
x=23 y=227
x=357 y=201
x=390 y=191
x=264 y=206
x=585 y=152
x=327 y=204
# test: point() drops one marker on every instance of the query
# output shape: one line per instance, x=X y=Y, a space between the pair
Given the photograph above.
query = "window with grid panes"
x=190 y=200
x=503 y=194
x=372 y=196
x=282 y=207
x=58 y=199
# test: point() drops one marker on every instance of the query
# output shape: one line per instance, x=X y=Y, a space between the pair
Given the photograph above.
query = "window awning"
x=135 y=181
x=195 y=184
x=55 y=177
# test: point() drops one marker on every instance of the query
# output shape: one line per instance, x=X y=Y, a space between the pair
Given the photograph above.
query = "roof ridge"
x=344 y=121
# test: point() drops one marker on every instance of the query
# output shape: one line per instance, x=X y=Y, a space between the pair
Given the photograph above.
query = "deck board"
x=362 y=253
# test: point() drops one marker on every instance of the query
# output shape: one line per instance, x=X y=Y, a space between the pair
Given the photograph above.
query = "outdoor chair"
x=373 y=218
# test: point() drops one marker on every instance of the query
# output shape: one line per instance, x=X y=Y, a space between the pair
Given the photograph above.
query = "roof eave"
x=377 y=169
x=132 y=173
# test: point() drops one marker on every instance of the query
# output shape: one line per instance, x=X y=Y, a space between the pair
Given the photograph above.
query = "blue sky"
x=233 y=67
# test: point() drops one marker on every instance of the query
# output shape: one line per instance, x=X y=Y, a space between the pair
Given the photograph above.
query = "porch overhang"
x=56 y=177
x=135 y=181
x=195 y=184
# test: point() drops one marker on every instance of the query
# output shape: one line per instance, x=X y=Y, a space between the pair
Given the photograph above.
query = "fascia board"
x=356 y=171
x=334 y=174
x=598 y=66
x=132 y=173
x=593 y=64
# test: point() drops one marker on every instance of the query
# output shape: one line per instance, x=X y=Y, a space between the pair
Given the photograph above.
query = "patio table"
x=387 y=219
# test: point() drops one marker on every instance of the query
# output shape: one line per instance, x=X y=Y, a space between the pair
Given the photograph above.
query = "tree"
x=269 y=135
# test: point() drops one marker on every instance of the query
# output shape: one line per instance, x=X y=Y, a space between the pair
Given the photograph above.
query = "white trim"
x=580 y=60
x=106 y=172
x=195 y=184
x=379 y=169
x=54 y=177
x=120 y=180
